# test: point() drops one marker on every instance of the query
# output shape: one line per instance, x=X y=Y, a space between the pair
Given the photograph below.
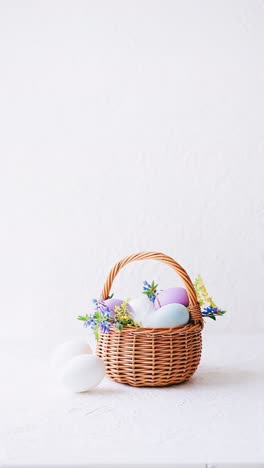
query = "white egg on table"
x=168 y=316
x=142 y=307
x=68 y=350
x=82 y=373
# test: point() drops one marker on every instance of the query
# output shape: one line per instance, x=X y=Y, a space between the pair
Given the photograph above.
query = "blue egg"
x=168 y=316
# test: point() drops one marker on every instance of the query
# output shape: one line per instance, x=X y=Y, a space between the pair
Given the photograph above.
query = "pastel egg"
x=172 y=296
x=68 y=350
x=142 y=307
x=112 y=303
x=82 y=373
x=168 y=316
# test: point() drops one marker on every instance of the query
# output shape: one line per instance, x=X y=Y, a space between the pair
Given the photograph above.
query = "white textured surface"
x=125 y=126
x=216 y=417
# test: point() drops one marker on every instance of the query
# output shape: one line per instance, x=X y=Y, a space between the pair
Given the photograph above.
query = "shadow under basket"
x=153 y=357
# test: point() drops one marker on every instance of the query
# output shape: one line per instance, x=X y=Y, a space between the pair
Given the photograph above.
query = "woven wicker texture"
x=153 y=356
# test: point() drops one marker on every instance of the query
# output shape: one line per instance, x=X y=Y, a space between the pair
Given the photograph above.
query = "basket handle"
x=194 y=306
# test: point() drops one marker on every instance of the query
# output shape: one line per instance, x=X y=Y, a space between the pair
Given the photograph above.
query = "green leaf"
x=96 y=333
x=111 y=296
x=83 y=317
x=120 y=328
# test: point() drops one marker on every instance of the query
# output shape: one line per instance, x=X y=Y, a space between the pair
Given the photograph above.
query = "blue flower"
x=105 y=326
x=106 y=313
x=211 y=312
x=90 y=323
x=101 y=307
x=150 y=290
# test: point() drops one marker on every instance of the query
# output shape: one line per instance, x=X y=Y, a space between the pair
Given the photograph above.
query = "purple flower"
x=101 y=307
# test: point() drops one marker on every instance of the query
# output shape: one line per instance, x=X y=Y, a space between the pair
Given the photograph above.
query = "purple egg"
x=112 y=303
x=172 y=296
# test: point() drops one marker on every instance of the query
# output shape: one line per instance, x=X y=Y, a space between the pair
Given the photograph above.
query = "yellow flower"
x=202 y=294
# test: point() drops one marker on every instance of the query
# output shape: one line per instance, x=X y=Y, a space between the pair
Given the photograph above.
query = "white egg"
x=168 y=316
x=142 y=307
x=66 y=351
x=82 y=373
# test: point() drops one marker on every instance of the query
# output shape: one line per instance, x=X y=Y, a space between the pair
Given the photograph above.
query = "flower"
x=123 y=316
x=210 y=309
x=150 y=290
x=100 y=306
x=212 y=312
x=105 y=326
x=90 y=323
x=101 y=319
x=202 y=294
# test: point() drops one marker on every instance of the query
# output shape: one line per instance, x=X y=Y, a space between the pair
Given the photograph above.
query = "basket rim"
x=188 y=328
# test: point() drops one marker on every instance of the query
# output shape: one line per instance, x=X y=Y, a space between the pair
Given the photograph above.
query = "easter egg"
x=66 y=351
x=142 y=307
x=112 y=303
x=82 y=373
x=168 y=316
x=172 y=296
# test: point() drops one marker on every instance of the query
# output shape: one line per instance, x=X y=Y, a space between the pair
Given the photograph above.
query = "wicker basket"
x=153 y=357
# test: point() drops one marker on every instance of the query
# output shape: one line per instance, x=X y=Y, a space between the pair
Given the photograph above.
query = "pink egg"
x=172 y=296
x=112 y=303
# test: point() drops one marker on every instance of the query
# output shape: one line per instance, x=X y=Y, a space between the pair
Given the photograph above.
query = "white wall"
x=125 y=126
